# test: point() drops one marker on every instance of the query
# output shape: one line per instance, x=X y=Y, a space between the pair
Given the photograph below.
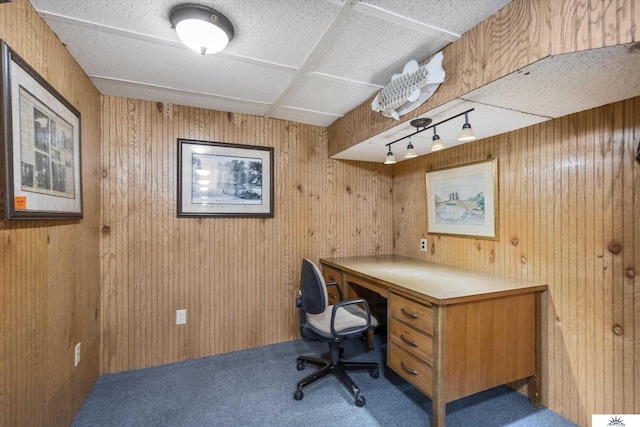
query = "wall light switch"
x=181 y=317
x=423 y=245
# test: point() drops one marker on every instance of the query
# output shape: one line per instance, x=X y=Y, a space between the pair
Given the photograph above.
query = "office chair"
x=332 y=324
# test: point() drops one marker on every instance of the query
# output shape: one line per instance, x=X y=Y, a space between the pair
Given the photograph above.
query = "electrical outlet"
x=181 y=317
x=423 y=245
x=76 y=355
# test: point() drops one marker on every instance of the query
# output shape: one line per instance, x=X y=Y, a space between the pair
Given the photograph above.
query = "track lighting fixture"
x=421 y=124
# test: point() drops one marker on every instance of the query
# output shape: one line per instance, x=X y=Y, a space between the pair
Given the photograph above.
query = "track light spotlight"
x=411 y=152
x=437 y=143
x=467 y=133
x=390 y=158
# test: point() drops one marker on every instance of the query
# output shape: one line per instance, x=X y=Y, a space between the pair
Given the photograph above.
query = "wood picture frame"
x=217 y=179
x=40 y=131
x=463 y=200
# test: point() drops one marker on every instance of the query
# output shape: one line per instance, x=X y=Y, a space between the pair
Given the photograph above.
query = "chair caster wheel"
x=375 y=373
x=298 y=395
x=360 y=401
x=300 y=366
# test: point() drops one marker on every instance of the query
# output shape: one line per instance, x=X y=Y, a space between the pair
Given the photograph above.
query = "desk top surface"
x=438 y=283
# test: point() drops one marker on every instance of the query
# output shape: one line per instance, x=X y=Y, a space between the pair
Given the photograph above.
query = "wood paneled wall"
x=568 y=217
x=49 y=270
x=237 y=277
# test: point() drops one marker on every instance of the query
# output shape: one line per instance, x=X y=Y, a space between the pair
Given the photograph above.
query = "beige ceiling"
x=309 y=61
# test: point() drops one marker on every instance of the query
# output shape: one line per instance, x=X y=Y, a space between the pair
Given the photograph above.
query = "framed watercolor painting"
x=463 y=200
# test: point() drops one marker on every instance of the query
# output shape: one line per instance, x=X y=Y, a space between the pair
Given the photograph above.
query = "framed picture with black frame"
x=217 y=179
x=40 y=131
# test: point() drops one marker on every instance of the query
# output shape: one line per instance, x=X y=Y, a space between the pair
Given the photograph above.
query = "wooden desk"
x=451 y=332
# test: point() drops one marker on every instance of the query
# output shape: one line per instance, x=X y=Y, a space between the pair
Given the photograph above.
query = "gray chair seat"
x=332 y=324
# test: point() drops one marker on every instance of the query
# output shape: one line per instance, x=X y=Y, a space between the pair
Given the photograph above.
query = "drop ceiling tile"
x=149 y=17
x=303 y=116
x=141 y=61
x=263 y=29
x=564 y=84
x=326 y=95
x=280 y=31
x=360 y=54
x=199 y=100
x=455 y=16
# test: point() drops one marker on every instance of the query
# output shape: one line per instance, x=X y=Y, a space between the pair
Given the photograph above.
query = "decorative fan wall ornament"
x=410 y=89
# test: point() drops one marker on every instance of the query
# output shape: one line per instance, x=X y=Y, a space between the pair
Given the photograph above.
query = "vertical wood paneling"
x=616 y=269
x=49 y=270
x=630 y=298
x=237 y=277
x=633 y=271
x=569 y=195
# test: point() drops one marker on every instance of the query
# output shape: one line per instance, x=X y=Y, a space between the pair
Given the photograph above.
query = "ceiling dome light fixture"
x=201 y=28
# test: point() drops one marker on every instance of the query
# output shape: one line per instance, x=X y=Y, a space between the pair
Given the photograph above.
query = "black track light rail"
x=428 y=127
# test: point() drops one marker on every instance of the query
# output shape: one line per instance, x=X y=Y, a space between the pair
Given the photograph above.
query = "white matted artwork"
x=224 y=180
x=40 y=153
x=463 y=200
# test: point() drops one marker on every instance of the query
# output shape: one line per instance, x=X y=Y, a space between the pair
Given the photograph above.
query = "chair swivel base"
x=339 y=369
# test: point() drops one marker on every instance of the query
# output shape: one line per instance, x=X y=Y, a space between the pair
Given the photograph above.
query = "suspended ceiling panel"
x=565 y=84
x=309 y=61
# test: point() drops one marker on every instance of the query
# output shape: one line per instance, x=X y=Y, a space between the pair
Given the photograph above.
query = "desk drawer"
x=417 y=343
x=418 y=315
x=413 y=370
x=332 y=275
x=359 y=281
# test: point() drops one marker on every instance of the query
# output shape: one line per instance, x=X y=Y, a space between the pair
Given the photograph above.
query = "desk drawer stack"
x=332 y=275
x=411 y=336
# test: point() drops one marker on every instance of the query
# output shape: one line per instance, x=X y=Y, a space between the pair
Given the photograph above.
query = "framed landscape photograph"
x=218 y=179
x=42 y=174
x=463 y=200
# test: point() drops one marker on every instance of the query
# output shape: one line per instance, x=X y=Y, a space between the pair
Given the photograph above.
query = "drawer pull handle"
x=406 y=313
x=332 y=279
x=333 y=296
x=411 y=371
x=411 y=343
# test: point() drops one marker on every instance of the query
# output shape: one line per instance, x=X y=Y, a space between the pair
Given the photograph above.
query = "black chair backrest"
x=312 y=285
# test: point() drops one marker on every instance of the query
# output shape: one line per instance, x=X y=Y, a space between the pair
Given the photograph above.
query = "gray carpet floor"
x=255 y=388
